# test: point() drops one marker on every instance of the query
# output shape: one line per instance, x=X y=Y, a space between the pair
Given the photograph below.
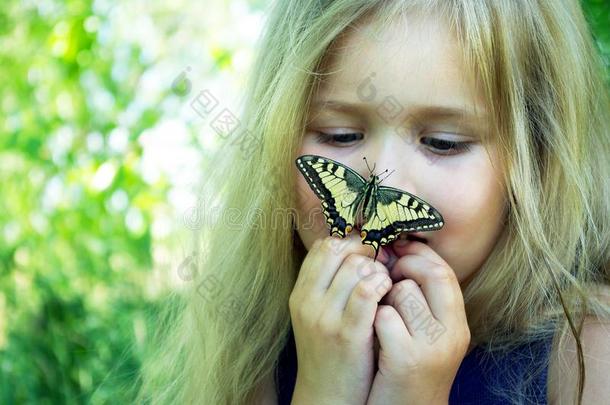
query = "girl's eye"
x=341 y=139
x=445 y=147
x=437 y=145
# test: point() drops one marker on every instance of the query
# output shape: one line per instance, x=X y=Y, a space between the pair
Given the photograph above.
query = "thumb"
x=391 y=330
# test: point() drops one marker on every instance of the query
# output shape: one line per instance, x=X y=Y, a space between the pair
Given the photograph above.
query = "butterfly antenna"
x=387 y=175
x=367 y=165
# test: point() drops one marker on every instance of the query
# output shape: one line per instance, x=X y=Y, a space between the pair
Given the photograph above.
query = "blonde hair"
x=544 y=85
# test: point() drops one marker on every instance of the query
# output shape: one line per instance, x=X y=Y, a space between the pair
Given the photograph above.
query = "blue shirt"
x=483 y=378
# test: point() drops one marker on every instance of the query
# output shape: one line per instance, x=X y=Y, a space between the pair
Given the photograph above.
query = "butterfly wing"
x=395 y=211
x=340 y=188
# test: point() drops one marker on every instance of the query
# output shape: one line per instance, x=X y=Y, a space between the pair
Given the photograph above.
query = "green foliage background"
x=74 y=312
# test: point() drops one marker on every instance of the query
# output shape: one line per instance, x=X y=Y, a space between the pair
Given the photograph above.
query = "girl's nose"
x=398 y=158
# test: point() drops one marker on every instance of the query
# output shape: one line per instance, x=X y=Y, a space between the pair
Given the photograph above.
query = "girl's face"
x=408 y=104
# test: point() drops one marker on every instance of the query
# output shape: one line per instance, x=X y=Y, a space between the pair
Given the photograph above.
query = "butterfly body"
x=348 y=201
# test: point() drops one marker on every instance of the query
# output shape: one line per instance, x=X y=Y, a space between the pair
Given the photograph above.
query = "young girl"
x=494 y=112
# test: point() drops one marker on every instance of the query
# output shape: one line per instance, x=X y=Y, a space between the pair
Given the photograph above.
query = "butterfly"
x=349 y=200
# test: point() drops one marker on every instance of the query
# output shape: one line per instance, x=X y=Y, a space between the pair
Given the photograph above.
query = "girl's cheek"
x=310 y=219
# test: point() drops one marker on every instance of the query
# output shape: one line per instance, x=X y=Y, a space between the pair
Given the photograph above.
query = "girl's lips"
x=389 y=254
x=397 y=249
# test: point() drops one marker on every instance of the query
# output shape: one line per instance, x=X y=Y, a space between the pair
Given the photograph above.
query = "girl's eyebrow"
x=438 y=112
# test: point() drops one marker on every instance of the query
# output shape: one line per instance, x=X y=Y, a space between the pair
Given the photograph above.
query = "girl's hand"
x=333 y=306
x=423 y=333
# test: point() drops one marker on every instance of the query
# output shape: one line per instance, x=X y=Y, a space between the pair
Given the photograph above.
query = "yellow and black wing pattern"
x=385 y=211
x=393 y=211
x=340 y=188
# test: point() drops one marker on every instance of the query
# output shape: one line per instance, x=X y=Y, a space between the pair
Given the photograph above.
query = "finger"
x=409 y=301
x=438 y=283
x=324 y=260
x=391 y=331
x=401 y=272
x=311 y=266
x=362 y=302
x=354 y=269
x=422 y=249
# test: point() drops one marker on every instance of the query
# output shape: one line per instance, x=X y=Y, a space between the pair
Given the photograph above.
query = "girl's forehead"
x=418 y=67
